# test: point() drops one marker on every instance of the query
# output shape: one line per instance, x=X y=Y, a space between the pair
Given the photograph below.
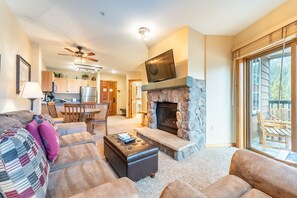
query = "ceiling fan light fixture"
x=144 y=33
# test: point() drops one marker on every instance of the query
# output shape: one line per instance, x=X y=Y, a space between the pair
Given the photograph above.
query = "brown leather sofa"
x=251 y=175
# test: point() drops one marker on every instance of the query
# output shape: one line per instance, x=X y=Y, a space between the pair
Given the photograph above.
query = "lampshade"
x=31 y=90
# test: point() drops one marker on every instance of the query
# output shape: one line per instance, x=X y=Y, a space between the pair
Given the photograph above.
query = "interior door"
x=108 y=93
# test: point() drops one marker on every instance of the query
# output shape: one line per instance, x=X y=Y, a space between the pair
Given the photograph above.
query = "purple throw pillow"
x=50 y=140
x=32 y=127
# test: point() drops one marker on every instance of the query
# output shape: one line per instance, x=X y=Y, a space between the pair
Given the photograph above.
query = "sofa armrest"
x=179 y=189
x=120 y=188
x=70 y=128
x=267 y=175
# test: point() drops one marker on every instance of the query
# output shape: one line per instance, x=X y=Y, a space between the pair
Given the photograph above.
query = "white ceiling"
x=56 y=24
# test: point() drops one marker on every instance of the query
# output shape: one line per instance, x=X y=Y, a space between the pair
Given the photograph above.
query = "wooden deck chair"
x=271 y=129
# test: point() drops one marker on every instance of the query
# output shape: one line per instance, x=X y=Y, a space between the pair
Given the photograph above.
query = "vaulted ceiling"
x=109 y=28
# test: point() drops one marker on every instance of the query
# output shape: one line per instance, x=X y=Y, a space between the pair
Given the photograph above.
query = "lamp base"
x=32 y=101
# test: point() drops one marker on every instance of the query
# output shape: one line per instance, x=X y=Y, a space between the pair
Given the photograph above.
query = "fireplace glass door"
x=166 y=117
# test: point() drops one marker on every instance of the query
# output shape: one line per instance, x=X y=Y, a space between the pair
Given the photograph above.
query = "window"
x=256 y=85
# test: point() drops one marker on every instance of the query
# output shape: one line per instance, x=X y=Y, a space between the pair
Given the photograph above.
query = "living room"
x=216 y=49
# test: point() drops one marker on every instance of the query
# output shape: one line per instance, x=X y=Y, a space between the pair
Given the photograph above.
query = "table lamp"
x=32 y=91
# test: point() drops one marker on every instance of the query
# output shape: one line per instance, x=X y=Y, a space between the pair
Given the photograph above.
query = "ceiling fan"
x=80 y=54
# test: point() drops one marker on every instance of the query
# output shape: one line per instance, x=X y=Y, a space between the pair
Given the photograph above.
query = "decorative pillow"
x=40 y=118
x=23 y=167
x=50 y=140
x=32 y=127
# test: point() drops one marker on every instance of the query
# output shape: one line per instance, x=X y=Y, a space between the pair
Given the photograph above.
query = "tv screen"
x=161 y=67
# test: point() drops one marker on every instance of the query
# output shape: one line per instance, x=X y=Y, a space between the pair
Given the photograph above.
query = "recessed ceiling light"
x=113 y=71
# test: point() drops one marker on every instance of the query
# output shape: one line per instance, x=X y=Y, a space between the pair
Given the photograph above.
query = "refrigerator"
x=88 y=94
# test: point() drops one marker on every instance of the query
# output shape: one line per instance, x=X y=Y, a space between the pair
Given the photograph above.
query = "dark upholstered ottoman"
x=135 y=160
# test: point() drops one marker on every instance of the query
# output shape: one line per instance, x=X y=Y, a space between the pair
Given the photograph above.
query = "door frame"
x=130 y=81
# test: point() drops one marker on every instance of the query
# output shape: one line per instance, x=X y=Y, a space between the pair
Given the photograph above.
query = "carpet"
x=200 y=170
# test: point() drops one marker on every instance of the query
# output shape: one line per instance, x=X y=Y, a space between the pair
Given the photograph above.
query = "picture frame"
x=23 y=73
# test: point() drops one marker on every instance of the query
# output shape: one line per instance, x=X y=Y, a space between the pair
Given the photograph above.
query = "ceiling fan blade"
x=90 y=54
x=66 y=54
x=69 y=50
x=91 y=59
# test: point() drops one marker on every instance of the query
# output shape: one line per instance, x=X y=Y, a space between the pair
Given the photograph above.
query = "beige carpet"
x=199 y=171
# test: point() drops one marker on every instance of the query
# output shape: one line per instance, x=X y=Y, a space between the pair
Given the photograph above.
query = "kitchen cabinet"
x=73 y=86
x=69 y=85
x=47 y=79
x=61 y=85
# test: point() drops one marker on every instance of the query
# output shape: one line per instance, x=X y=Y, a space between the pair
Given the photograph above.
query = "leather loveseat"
x=251 y=175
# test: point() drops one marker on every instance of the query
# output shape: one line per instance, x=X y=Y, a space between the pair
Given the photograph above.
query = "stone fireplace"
x=189 y=95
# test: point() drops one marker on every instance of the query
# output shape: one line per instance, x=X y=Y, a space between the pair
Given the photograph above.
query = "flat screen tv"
x=161 y=67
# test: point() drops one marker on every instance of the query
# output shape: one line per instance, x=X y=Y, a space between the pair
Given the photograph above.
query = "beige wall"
x=179 y=43
x=281 y=14
x=188 y=49
x=36 y=67
x=121 y=88
x=13 y=41
x=218 y=90
x=196 y=54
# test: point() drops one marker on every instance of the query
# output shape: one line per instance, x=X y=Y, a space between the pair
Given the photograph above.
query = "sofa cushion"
x=181 y=189
x=227 y=187
x=74 y=155
x=23 y=167
x=32 y=127
x=255 y=193
x=120 y=188
x=76 y=138
x=79 y=178
x=50 y=140
x=8 y=122
x=24 y=116
x=70 y=128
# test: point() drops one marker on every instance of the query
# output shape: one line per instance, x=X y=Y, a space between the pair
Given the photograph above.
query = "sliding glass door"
x=269 y=109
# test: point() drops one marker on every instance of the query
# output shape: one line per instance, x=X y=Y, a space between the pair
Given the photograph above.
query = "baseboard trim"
x=220 y=145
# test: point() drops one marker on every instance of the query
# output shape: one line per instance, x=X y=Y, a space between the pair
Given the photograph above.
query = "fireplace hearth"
x=166 y=117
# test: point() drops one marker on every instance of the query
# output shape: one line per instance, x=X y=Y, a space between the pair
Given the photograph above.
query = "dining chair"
x=74 y=112
x=100 y=117
x=52 y=111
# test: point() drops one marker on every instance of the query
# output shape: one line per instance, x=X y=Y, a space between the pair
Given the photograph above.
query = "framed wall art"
x=23 y=72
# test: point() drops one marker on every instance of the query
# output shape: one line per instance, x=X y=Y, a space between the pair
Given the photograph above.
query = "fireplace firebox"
x=166 y=117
